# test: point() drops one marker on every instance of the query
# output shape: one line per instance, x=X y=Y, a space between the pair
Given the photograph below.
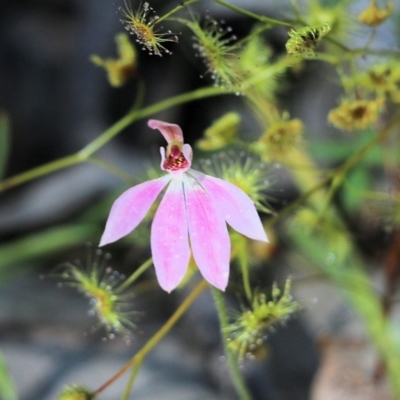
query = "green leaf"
x=7 y=388
x=4 y=141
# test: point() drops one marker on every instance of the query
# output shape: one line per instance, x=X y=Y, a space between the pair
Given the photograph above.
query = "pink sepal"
x=234 y=206
x=130 y=208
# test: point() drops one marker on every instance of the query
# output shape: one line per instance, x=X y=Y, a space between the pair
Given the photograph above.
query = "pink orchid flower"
x=195 y=209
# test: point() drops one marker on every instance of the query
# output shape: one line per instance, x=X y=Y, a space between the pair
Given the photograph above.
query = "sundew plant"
x=259 y=187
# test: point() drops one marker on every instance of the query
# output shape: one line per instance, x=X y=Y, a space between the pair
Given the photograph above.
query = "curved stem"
x=243 y=257
x=135 y=275
x=109 y=134
x=138 y=358
x=173 y=11
x=260 y=18
x=230 y=357
x=132 y=378
x=44 y=169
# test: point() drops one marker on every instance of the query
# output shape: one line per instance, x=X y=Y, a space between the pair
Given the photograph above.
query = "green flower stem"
x=230 y=357
x=260 y=18
x=139 y=357
x=132 y=378
x=84 y=154
x=296 y=10
x=37 y=172
x=111 y=132
x=244 y=266
x=173 y=11
x=135 y=275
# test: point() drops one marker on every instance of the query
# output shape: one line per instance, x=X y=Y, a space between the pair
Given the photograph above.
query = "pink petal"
x=169 y=131
x=234 y=205
x=169 y=237
x=208 y=233
x=130 y=208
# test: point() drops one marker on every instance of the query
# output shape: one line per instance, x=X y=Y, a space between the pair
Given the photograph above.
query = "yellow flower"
x=124 y=67
x=373 y=15
x=280 y=138
x=384 y=78
x=354 y=115
x=136 y=24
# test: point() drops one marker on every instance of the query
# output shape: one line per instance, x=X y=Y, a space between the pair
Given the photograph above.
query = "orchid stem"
x=135 y=275
x=37 y=172
x=84 y=154
x=237 y=377
x=132 y=378
x=244 y=266
x=260 y=18
x=139 y=356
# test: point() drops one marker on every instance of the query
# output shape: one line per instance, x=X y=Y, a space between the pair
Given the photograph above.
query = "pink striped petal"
x=169 y=237
x=169 y=131
x=208 y=233
x=130 y=208
x=234 y=205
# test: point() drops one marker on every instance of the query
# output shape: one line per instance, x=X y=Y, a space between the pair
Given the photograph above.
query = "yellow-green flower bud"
x=76 y=393
x=221 y=133
x=124 y=67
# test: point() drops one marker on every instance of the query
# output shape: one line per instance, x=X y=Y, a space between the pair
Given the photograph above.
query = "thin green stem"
x=136 y=115
x=244 y=266
x=132 y=378
x=294 y=204
x=230 y=357
x=44 y=169
x=173 y=11
x=109 y=134
x=153 y=341
x=261 y=18
x=296 y=9
x=135 y=275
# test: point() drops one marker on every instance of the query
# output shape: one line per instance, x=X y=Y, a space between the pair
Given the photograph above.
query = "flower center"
x=175 y=159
